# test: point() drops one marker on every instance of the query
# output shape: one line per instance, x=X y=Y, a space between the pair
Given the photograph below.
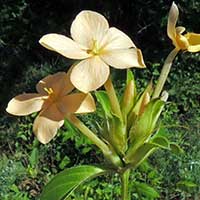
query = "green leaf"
x=34 y=157
x=129 y=76
x=117 y=134
x=144 y=126
x=103 y=99
x=175 y=148
x=71 y=130
x=146 y=190
x=65 y=161
x=186 y=184
x=138 y=156
x=61 y=186
x=161 y=132
x=161 y=142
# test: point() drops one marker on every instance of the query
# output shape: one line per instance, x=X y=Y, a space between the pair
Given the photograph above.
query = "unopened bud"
x=145 y=101
x=164 y=96
x=128 y=98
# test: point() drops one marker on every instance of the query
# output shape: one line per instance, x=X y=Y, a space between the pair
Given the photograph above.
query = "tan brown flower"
x=54 y=102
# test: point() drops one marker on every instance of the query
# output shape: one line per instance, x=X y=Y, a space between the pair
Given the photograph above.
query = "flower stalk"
x=125 y=195
x=164 y=73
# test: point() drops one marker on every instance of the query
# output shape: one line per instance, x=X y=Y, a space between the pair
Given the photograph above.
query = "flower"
x=97 y=46
x=188 y=41
x=54 y=102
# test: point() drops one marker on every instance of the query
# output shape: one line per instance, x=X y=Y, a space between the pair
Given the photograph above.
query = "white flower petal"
x=63 y=45
x=180 y=29
x=89 y=74
x=25 y=104
x=116 y=39
x=47 y=124
x=87 y=27
x=124 y=58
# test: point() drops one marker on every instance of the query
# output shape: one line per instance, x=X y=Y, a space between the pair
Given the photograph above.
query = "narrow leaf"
x=187 y=184
x=129 y=76
x=103 y=99
x=146 y=190
x=138 y=156
x=161 y=142
x=175 y=148
x=145 y=124
x=34 y=157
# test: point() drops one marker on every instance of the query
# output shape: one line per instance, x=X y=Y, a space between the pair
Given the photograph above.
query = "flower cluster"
x=95 y=46
x=54 y=100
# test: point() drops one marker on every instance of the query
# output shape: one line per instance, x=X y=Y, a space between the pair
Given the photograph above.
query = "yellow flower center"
x=95 y=50
x=48 y=90
x=182 y=42
x=53 y=97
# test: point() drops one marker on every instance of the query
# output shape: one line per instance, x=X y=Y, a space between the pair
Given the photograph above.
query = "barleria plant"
x=128 y=132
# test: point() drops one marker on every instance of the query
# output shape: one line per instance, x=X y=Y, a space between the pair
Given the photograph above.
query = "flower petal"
x=116 y=39
x=87 y=27
x=194 y=42
x=172 y=19
x=25 y=104
x=180 y=29
x=77 y=103
x=60 y=84
x=63 y=45
x=89 y=74
x=124 y=58
x=47 y=124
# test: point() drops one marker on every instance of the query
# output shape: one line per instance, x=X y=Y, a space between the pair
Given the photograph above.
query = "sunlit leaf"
x=138 y=156
x=34 y=157
x=146 y=190
x=144 y=126
x=129 y=76
x=61 y=186
x=103 y=99
x=186 y=184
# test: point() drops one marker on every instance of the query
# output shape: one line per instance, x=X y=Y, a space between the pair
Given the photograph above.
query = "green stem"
x=125 y=195
x=113 y=98
x=109 y=153
x=164 y=73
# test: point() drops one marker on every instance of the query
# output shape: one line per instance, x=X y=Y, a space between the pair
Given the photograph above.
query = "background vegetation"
x=26 y=165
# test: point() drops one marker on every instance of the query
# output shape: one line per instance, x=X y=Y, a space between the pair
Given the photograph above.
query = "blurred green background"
x=26 y=166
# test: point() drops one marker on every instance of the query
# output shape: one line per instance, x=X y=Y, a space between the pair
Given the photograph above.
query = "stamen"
x=49 y=90
x=95 y=48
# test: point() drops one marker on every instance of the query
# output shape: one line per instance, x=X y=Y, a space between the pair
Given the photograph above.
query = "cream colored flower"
x=188 y=41
x=98 y=46
x=54 y=102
